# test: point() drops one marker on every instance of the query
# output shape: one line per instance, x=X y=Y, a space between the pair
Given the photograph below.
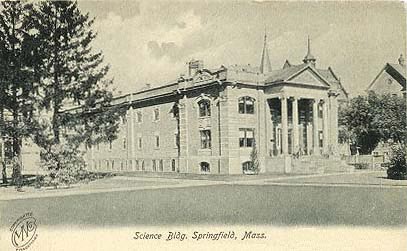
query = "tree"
x=398 y=164
x=17 y=78
x=254 y=160
x=75 y=92
x=374 y=118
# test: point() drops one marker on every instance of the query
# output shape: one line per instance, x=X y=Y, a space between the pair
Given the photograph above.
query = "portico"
x=299 y=125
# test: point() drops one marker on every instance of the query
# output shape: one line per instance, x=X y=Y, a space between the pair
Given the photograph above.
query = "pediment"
x=202 y=76
x=309 y=77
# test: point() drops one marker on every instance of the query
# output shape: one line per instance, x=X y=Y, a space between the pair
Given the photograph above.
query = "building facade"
x=391 y=79
x=209 y=121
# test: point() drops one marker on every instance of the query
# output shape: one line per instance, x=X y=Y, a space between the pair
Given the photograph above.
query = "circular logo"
x=23 y=231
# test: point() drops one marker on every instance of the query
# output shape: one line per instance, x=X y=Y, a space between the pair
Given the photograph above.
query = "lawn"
x=362 y=178
x=219 y=204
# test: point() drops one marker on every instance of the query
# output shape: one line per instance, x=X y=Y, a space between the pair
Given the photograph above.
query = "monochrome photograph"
x=203 y=125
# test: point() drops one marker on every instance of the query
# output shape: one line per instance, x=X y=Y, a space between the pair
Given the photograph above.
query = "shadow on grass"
x=32 y=180
x=27 y=180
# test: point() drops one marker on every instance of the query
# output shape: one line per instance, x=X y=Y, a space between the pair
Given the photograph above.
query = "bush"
x=64 y=162
x=398 y=166
x=361 y=166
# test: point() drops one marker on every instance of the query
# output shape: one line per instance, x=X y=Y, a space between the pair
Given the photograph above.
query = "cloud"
x=152 y=42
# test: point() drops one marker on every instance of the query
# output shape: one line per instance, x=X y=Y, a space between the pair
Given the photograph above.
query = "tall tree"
x=17 y=78
x=76 y=93
x=374 y=118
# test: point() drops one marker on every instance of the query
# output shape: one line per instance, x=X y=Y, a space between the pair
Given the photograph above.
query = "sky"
x=150 y=42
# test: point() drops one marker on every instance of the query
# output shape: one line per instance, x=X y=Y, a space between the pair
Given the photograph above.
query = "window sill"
x=204 y=117
x=206 y=151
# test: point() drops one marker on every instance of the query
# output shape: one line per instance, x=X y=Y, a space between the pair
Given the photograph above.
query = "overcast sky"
x=151 y=41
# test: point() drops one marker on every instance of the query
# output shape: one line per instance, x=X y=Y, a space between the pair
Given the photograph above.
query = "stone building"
x=210 y=120
x=391 y=79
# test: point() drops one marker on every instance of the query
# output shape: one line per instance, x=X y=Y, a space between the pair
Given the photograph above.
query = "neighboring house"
x=209 y=121
x=391 y=79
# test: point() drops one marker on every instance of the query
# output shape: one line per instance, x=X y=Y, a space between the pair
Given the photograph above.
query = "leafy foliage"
x=398 y=164
x=53 y=86
x=18 y=81
x=76 y=93
x=254 y=160
x=374 y=118
x=64 y=161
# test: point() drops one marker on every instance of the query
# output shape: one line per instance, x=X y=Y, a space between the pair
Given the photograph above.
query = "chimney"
x=402 y=60
x=194 y=66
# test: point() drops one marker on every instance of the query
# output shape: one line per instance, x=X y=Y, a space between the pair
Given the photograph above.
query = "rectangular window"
x=246 y=137
x=124 y=144
x=139 y=117
x=205 y=139
x=156 y=114
x=157 y=141
x=320 y=111
x=137 y=165
x=246 y=105
x=176 y=139
x=321 y=138
x=140 y=142
x=173 y=165
x=154 y=165
x=161 y=165
x=110 y=145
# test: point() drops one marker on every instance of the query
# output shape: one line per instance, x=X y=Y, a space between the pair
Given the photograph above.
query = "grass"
x=219 y=204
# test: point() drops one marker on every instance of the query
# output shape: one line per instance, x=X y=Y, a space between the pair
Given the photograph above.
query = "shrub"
x=361 y=166
x=254 y=161
x=64 y=162
x=398 y=166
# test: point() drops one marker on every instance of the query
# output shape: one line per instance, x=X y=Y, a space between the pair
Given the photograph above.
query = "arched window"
x=204 y=108
x=205 y=167
x=246 y=105
x=247 y=166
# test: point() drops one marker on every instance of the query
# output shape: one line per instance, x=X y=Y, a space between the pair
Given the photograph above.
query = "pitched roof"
x=397 y=71
x=285 y=73
x=400 y=69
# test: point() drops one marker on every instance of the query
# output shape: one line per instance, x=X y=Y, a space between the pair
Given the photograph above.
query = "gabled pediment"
x=202 y=76
x=308 y=77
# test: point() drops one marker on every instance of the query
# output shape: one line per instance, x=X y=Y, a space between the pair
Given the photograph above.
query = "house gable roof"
x=397 y=71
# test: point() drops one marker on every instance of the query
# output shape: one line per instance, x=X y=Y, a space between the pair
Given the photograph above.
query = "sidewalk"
x=148 y=182
x=113 y=184
x=369 y=178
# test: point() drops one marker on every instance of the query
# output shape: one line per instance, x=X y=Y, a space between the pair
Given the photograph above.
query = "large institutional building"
x=209 y=120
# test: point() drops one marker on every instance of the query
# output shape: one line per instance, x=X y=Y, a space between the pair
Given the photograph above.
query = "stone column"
x=315 y=126
x=269 y=128
x=131 y=139
x=334 y=122
x=284 y=125
x=326 y=127
x=295 y=133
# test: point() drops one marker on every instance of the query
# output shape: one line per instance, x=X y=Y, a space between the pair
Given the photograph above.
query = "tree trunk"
x=16 y=176
x=2 y=155
x=17 y=166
